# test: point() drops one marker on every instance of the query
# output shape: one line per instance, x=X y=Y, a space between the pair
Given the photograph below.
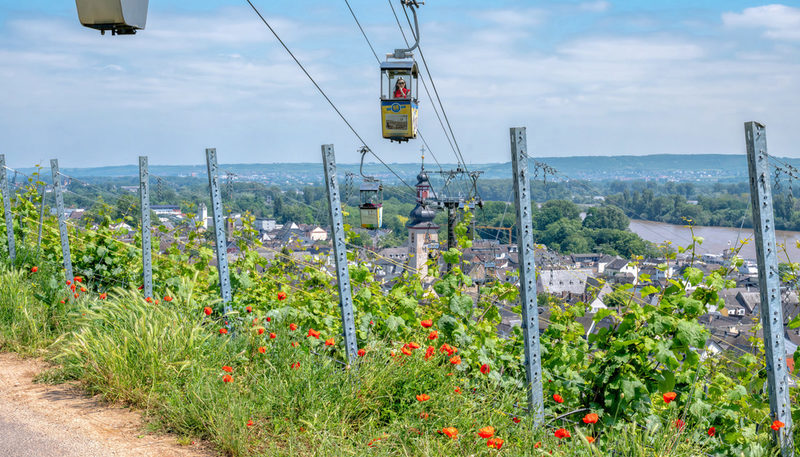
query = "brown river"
x=715 y=239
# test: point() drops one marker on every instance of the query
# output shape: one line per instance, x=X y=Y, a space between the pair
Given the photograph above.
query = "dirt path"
x=62 y=421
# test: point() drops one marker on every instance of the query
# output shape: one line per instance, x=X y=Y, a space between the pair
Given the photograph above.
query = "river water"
x=715 y=239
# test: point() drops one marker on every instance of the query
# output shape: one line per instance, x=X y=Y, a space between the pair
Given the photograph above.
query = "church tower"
x=422 y=232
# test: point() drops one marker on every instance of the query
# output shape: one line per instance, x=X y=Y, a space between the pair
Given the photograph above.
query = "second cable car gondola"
x=399 y=99
x=121 y=17
x=371 y=206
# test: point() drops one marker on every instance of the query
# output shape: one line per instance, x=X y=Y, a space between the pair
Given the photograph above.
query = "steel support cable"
x=391 y=261
x=330 y=102
x=379 y=62
x=436 y=92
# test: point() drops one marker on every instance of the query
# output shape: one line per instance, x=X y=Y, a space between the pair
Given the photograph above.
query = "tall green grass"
x=167 y=359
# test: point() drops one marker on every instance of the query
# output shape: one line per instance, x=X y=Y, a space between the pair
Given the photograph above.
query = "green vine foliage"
x=651 y=344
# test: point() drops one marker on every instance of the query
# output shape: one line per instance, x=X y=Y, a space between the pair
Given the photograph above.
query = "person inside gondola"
x=400 y=90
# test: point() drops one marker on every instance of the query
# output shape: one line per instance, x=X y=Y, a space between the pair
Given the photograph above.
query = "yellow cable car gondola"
x=122 y=17
x=371 y=207
x=399 y=99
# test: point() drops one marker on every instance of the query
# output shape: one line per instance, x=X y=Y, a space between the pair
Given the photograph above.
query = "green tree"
x=609 y=216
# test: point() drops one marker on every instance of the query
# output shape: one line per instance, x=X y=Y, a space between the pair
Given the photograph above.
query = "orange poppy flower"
x=423 y=397
x=496 y=443
x=272 y=336
x=103 y=296
x=83 y=289
x=558 y=398
x=413 y=345
x=486 y=432
x=223 y=331
x=262 y=349
x=777 y=425
x=455 y=360
x=249 y=309
x=34 y=269
x=427 y=323
x=423 y=415
x=167 y=298
x=227 y=378
x=457 y=390
x=227 y=369
x=313 y=333
x=590 y=418
x=405 y=350
x=330 y=342
x=292 y=326
x=250 y=423
x=208 y=311
x=669 y=396
x=562 y=433
x=296 y=365
x=429 y=353
x=281 y=296
x=452 y=432
x=590 y=439
x=295 y=344
x=433 y=335
x=78 y=279
x=260 y=331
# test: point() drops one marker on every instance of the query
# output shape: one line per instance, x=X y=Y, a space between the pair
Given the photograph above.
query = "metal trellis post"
x=527 y=274
x=219 y=228
x=41 y=216
x=771 y=309
x=144 y=195
x=62 y=223
x=12 y=250
x=340 y=253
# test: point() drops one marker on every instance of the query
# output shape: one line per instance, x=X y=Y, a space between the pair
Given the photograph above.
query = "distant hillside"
x=683 y=167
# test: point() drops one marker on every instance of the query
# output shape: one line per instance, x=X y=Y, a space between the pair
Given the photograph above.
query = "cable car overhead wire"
x=330 y=102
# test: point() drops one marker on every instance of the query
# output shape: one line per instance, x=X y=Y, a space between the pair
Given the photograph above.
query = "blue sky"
x=586 y=78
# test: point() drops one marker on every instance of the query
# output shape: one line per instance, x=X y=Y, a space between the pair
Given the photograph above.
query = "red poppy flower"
x=486 y=432
x=281 y=296
x=452 y=432
x=427 y=323
x=262 y=349
x=562 y=433
x=260 y=331
x=62 y=302
x=103 y=296
x=485 y=369
x=272 y=336
x=669 y=396
x=73 y=287
x=83 y=289
x=148 y=300
x=208 y=311
x=78 y=279
x=167 y=298
x=516 y=420
x=406 y=350
x=679 y=424
x=777 y=425
x=314 y=333
x=362 y=352
x=269 y=319
x=537 y=445
x=249 y=309
x=590 y=418
x=423 y=397
x=295 y=344
x=250 y=423
x=223 y=331
x=455 y=360
x=590 y=439
x=296 y=365
x=457 y=390
x=141 y=287
x=433 y=335
x=712 y=431
x=558 y=398
x=227 y=378
x=77 y=295
x=496 y=443
x=429 y=353
x=413 y=345
x=330 y=342
x=34 y=269
x=292 y=327
x=227 y=368
x=69 y=282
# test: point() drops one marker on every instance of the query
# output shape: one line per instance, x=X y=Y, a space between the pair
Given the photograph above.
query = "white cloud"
x=598 y=6
x=780 y=22
x=627 y=49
